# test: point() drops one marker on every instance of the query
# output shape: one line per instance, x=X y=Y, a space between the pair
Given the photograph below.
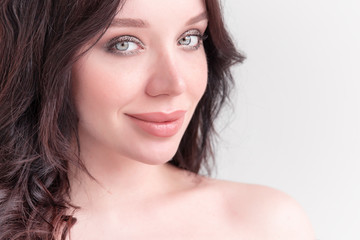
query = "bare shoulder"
x=263 y=212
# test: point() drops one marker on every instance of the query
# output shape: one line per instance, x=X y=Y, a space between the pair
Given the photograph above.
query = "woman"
x=96 y=97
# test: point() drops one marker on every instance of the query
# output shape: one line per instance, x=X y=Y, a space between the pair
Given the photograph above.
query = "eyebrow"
x=129 y=22
x=198 y=18
x=138 y=23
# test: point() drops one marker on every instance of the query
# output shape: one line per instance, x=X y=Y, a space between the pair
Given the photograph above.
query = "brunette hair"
x=39 y=42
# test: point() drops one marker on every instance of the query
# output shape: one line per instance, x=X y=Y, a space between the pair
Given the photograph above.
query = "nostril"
x=165 y=86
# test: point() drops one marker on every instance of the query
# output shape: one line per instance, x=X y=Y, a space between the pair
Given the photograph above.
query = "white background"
x=295 y=123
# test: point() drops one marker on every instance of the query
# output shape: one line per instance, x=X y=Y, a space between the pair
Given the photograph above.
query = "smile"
x=159 y=124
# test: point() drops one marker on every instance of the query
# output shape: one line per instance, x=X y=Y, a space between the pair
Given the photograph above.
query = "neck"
x=118 y=181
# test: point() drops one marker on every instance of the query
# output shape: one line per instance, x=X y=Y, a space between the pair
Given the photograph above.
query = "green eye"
x=191 y=40
x=125 y=45
x=122 y=46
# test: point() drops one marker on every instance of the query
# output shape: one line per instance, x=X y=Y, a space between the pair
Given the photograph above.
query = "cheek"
x=197 y=76
x=103 y=85
x=99 y=87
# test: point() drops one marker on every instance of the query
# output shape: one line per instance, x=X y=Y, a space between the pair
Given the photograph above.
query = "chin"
x=158 y=157
x=154 y=153
x=149 y=149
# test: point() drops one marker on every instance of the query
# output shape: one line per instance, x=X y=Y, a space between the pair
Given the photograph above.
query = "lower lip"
x=160 y=129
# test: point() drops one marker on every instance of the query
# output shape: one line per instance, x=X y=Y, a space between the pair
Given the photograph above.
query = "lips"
x=159 y=124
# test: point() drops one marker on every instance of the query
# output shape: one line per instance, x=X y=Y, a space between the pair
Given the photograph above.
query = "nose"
x=165 y=77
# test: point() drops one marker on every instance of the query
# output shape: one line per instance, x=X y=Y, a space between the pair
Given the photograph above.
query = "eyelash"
x=111 y=45
x=193 y=33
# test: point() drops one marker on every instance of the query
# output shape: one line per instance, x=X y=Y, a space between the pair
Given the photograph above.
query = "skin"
x=136 y=195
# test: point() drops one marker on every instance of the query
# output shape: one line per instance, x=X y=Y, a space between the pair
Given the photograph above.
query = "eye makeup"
x=124 y=45
x=187 y=38
x=127 y=45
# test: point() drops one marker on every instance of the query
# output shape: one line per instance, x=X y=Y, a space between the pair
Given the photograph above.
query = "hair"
x=39 y=42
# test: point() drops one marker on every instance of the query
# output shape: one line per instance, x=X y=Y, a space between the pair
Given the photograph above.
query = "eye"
x=125 y=45
x=191 y=40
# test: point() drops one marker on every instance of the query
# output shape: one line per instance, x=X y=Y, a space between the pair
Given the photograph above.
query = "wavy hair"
x=39 y=42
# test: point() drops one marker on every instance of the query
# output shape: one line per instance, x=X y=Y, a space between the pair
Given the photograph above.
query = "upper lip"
x=158 y=116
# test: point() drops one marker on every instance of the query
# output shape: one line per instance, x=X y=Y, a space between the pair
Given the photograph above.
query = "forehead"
x=162 y=11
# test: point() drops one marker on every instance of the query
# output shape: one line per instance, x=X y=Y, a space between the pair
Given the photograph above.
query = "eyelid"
x=124 y=38
x=193 y=32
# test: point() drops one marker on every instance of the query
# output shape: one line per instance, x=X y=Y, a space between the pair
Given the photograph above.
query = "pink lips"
x=159 y=124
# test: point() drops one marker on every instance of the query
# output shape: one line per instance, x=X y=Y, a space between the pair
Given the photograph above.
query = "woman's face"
x=136 y=90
